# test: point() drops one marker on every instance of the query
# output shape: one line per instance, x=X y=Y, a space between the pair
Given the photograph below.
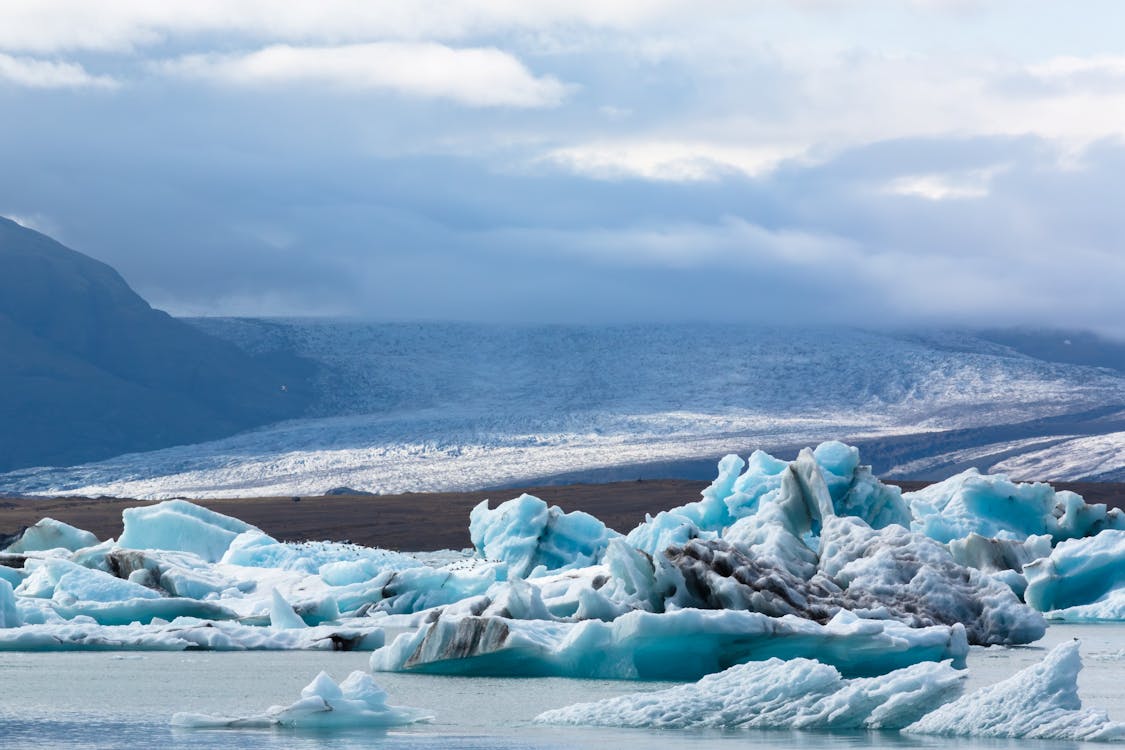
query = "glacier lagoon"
x=125 y=700
x=778 y=564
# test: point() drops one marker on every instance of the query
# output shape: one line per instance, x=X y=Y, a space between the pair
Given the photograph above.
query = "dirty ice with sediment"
x=803 y=594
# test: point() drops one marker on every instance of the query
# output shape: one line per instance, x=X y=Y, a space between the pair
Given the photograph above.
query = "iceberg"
x=324 y=704
x=187 y=633
x=1040 y=702
x=684 y=644
x=9 y=613
x=180 y=526
x=798 y=694
x=810 y=558
x=527 y=534
x=991 y=505
x=50 y=534
x=1077 y=572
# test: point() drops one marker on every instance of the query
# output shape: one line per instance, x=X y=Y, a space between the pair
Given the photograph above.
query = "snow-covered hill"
x=455 y=406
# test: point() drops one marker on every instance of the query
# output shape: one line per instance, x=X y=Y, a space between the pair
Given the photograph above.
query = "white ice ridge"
x=355 y=702
x=777 y=694
x=1040 y=702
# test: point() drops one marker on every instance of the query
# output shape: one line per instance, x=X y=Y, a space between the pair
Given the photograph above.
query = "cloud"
x=939 y=186
x=668 y=160
x=47 y=74
x=122 y=25
x=478 y=77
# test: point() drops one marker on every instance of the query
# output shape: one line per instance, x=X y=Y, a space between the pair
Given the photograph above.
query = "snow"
x=444 y=407
x=1097 y=458
x=1040 y=702
x=799 y=694
x=324 y=704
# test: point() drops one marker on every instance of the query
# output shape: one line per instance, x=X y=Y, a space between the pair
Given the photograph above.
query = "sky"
x=873 y=163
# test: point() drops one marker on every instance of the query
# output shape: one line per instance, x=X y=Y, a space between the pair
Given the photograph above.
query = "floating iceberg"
x=684 y=644
x=811 y=558
x=526 y=534
x=1040 y=702
x=355 y=702
x=1078 y=572
x=180 y=526
x=51 y=534
x=992 y=506
x=187 y=634
x=777 y=694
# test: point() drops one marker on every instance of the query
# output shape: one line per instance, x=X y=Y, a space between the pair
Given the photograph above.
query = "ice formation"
x=993 y=506
x=777 y=694
x=1040 y=702
x=1077 y=573
x=810 y=558
x=683 y=644
x=324 y=704
x=51 y=534
x=526 y=534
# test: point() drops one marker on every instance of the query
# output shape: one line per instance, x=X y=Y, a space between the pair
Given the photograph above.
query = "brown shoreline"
x=415 y=521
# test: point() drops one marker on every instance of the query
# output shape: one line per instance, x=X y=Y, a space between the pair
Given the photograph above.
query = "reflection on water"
x=99 y=700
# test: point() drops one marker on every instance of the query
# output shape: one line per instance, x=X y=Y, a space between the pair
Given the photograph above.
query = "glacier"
x=357 y=701
x=444 y=407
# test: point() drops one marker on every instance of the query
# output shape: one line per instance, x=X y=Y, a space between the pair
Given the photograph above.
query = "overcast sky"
x=872 y=163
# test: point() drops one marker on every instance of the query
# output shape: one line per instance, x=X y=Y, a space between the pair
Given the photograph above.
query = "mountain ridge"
x=90 y=370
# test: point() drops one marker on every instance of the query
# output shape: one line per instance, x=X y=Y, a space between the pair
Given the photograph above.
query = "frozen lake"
x=125 y=700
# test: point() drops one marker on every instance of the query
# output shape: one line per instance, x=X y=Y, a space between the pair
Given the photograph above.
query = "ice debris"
x=1040 y=702
x=324 y=704
x=775 y=694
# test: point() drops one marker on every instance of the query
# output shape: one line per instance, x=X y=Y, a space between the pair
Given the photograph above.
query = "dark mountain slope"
x=89 y=370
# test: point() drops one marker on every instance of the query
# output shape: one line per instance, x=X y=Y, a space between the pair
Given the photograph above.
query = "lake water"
x=125 y=700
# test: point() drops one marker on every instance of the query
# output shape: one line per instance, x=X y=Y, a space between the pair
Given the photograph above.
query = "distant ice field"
x=429 y=407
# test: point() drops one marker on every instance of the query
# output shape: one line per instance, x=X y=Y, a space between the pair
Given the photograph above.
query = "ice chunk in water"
x=182 y=526
x=51 y=534
x=776 y=694
x=526 y=534
x=355 y=702
x=1040 y=702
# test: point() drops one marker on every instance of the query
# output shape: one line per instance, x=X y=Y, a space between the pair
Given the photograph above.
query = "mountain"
x=89 y=370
